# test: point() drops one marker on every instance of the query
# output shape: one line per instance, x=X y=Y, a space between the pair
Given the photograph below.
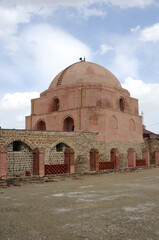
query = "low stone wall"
x=80 y=142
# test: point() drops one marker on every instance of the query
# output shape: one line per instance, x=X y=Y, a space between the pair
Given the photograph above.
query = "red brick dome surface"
x=85 y=73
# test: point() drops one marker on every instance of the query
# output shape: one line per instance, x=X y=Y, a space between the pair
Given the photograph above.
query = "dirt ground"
x=116 y=206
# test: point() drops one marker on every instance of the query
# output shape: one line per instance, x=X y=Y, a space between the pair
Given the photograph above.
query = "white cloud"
x=132 y=3
x=21 y=11
x=37 y=54
x=14 y=107
x=16 y=12
x=125 y=61
x=77 y=3
x=150 y=33
x=17 y=100
x=87 y=12
x=104 y=48
x=51 y=50
x=147 y=93
x=10 y=18
x=135 y=29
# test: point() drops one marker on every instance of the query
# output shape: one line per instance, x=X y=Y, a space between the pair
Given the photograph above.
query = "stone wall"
x=19 y=161
x=81 y=142
x=152 y=145
x=57 y=154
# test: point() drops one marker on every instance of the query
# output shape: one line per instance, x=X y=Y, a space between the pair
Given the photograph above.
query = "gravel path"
x=116 y=206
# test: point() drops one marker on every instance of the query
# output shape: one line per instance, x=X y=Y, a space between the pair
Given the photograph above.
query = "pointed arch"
x=55 y=104
x=113 y=123
x=23 y=140
x=62 y=141
x=132 y=126
x=68 y=124
x=40 y=125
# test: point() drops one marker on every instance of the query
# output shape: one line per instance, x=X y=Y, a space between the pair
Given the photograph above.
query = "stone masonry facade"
x=53 y=145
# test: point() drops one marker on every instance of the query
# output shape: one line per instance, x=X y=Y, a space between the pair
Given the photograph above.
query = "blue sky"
x=40 y=38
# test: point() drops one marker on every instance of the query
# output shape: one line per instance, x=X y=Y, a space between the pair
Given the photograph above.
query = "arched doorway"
x=41 y=126
x=68 y=125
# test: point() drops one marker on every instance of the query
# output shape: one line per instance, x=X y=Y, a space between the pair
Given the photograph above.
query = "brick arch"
x=36 y=124
x=63 y=141
x=113 y=122
x=27 y=142
x=63 y=121
x=132 y=126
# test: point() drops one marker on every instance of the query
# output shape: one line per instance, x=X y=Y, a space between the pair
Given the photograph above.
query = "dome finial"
x=82 y=60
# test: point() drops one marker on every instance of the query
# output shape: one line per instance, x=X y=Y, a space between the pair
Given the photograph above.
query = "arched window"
x=55 y=104
x=41 y=126
x=17 y=146
x=122 y=104
x=60 y=147
x=68 y=124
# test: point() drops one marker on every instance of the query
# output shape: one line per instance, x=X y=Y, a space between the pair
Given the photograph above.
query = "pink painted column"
x=131 y=157
x=157 y=156
x=72 y=160
x=39 y=162
x=146 y=156
x=94 y=159
x=3 y=162
x=66 y=160
x=115 y=157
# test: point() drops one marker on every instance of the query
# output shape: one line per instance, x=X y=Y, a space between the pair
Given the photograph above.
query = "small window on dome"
x=122 y=104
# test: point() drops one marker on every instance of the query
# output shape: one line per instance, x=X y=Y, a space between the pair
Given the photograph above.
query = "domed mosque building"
x=85 y=121
x=87 y=97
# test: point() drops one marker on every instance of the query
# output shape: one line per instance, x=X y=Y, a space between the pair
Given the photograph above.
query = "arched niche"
x=55 y=104
x=41 y=126
x=68 y=124
x=113 y=123
x=132 y=125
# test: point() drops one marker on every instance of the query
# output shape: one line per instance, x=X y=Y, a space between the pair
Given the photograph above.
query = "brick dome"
x=85 y=73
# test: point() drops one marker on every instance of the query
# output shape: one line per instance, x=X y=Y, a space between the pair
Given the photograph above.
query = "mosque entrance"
x=68 y=124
